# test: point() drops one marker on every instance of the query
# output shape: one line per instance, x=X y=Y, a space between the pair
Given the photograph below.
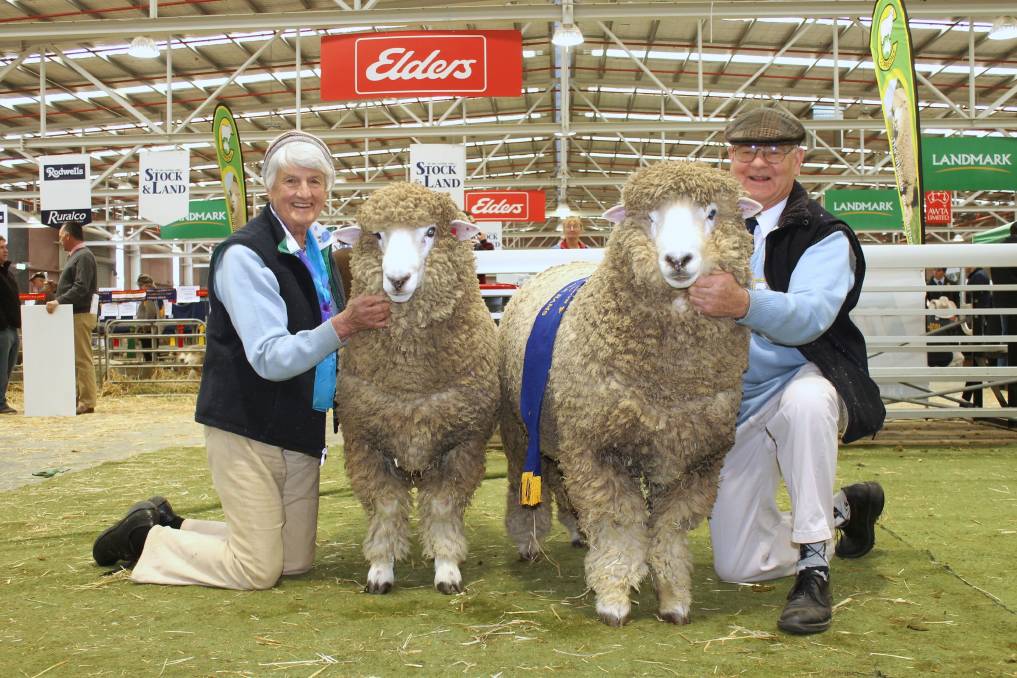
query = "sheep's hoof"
x=578 y=543
x=378 y=586
x=613 y=620
x=447 y=578
x=380 y=578
x=674 y=618
x=449 y=587
x=528 y=554
x=613 y=615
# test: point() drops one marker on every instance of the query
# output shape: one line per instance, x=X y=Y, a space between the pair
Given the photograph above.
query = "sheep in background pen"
x=417 y=401
x=898 y=110
x=642 y=389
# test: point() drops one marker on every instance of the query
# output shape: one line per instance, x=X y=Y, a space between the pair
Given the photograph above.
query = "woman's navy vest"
x=232 y=396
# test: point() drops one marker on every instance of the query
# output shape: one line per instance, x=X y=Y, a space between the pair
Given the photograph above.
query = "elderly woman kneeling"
x=277 y=316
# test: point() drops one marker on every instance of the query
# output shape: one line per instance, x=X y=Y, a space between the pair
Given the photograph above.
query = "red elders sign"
x=506 y=205
x=938 y=207
x=414 y=63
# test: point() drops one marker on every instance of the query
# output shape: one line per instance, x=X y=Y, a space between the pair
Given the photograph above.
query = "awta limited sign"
x=938 y=208
x=415 y=63
x=506 y=205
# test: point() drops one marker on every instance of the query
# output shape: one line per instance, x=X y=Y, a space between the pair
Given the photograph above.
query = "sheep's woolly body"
x=418 y=399
x=642 y=388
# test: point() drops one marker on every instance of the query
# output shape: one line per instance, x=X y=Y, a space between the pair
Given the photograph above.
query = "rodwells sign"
x=868 y=210
x=65 y=189
x=205 y=219
x=506 y=205
x=413 y=63
x=966 y=164
x=65 y=172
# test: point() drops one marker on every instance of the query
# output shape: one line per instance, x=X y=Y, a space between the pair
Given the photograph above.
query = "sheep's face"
x=404 y=251
x=679 y=231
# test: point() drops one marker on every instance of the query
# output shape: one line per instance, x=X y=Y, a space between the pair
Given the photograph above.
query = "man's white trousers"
x=795 y=437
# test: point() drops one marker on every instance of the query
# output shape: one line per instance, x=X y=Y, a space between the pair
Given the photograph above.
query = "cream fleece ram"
x=643 y=392
x=418 y=400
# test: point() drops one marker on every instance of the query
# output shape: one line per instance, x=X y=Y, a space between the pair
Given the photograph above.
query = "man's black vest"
x=839 y=353
x=232 y=396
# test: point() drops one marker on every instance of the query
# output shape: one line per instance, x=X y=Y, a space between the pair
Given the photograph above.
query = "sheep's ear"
x=749 y=207
x=348 y=234
x=463 y=230
x=615 y=215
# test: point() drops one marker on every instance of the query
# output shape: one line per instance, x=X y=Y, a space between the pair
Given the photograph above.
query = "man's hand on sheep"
x=364 y=312
x=718 y=295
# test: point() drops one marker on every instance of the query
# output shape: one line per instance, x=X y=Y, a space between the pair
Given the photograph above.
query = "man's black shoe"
x=125 y=540
x=809 y=606
x=167 y=516
x=858 y=534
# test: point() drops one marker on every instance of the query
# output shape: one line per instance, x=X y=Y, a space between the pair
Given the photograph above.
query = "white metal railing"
x=892 y=314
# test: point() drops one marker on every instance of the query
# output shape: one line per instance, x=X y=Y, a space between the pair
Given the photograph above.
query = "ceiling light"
x=143 y=47
x=1003 y=28
x=562 y=211
x=567 y=35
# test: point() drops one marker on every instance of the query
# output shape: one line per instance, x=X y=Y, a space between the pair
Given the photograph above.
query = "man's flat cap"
x=764 y=125
x=144 y=279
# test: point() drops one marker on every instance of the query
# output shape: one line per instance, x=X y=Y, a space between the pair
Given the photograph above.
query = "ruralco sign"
x=866 y=210
x=205 y=219
x=966 y=164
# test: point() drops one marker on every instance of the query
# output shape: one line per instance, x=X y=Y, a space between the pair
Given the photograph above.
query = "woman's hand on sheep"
x=364 y=312
x=718 y=295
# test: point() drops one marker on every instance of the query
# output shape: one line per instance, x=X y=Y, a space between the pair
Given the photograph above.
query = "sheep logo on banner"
x=231 y=165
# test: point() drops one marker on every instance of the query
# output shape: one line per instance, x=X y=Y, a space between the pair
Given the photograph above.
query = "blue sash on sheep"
x=536 y=367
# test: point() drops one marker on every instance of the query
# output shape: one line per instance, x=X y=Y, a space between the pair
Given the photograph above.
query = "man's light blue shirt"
x=780 y=321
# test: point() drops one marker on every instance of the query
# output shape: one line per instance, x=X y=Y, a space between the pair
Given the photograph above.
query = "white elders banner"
x=440 y=167
x=164 y=186
x=65 y=189
x=3 y=222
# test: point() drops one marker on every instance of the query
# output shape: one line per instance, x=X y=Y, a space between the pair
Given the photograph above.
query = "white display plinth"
x=48 y=347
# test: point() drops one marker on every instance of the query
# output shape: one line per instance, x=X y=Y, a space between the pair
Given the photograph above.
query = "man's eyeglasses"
x=771 y=154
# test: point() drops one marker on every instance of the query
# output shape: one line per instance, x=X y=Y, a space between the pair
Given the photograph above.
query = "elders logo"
x=421 y=63
x=438 y=63
x=506 y=205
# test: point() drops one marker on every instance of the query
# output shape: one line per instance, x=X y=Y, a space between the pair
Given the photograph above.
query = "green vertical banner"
x=231 y=165
x=890 y=44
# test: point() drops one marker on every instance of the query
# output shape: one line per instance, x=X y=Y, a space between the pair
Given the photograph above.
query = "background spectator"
x=147 y=310
x=37 y=283
x=77 y=286
x=1007 y=275
x=572 y=230
x=10 y=321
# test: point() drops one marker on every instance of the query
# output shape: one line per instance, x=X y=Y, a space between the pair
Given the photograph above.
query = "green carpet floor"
x=937 y=597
